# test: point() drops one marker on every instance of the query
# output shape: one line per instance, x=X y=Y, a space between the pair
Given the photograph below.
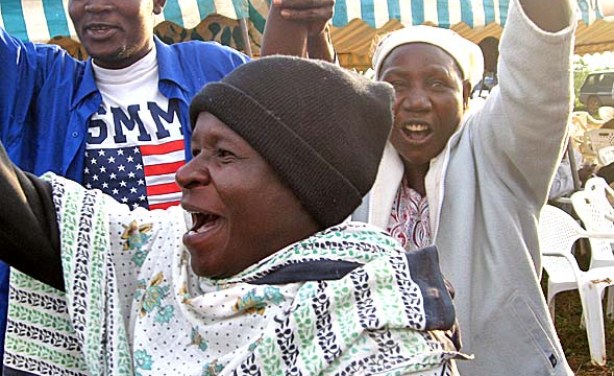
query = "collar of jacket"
x=167 y=60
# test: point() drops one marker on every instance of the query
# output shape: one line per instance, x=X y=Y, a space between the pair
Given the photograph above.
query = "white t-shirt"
x=135 y=142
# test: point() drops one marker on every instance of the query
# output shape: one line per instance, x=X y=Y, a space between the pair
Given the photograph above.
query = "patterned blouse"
x=409 y=219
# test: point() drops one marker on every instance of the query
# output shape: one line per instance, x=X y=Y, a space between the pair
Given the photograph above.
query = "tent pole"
x=245 y=34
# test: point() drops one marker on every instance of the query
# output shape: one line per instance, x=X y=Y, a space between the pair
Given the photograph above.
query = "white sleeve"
x=521 y=127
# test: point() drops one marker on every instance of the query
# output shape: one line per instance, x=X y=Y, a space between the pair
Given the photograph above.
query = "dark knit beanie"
x=321 y=128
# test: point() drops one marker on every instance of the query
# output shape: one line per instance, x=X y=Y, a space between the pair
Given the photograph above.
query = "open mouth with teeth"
x=416 y=132
x=99 y=30
x=203 y=222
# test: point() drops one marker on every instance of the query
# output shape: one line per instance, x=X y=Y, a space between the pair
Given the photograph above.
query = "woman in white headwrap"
x=474 y=182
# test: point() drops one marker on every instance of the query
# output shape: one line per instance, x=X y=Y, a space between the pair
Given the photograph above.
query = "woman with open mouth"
x=258 y=272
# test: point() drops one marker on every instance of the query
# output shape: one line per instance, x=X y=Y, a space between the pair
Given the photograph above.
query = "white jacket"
x=485 y=193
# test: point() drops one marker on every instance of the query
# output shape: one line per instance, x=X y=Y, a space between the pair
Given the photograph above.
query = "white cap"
x=467 y=54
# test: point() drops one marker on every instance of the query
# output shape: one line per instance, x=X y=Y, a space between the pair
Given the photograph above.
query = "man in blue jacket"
x=118 y=121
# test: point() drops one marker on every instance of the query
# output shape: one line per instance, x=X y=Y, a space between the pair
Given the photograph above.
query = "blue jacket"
x=47 y=98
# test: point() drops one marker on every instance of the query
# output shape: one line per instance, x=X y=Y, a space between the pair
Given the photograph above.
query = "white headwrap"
x=467 y=54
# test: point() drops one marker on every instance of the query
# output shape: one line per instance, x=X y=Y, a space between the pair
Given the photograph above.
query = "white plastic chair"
x=597 y=214
x=558 y=231
x=581 y=122
x=597 y=139
x=593 y=208
x=605 y=155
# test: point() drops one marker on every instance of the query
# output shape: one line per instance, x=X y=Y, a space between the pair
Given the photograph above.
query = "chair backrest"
x=605 y=155
x=596 y=213
x=600 y=187
x=557 y=231
x=597 y=139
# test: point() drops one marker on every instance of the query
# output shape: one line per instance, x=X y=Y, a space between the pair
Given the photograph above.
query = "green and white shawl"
x=345 y=301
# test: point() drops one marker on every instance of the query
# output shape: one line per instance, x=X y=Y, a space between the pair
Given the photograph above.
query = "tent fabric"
x=355 y=41
x=442 y=13
x=357 y=24
x=40 y=20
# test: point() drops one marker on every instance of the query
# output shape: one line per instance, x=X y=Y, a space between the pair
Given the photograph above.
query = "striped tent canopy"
x=359 y=23
x=356 y=23
x=446 y=13
x=40 y=20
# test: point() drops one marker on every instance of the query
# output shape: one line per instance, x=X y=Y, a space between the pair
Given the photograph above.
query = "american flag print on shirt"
x=142 y=175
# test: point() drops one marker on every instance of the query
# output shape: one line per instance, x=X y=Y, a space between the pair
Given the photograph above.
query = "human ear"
x=466 y=93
